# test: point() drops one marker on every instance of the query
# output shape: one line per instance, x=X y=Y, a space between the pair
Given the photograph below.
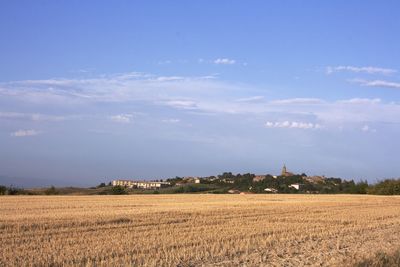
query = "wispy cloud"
x=122 y=118
x=224 y=61
x=109 y=88
x=250 y=99
x=300 y=101
x=361 y=101
x=169 y=78
x=24 y=133
x=292 y=125
x=366 y=128
x=30 y=116
x=377 y=83
x=368 y=70
x=170 y=96
x=171 y=120
x=83 y=71
x=164 y=62
x=182 y=104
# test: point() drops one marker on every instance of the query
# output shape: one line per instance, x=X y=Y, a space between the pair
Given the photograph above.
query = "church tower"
x=284 y=171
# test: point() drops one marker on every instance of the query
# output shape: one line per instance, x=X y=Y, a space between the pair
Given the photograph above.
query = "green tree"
x=51 y=191
x=3 y=190
x=15 y=191
x=386 y=187
x=101 y=185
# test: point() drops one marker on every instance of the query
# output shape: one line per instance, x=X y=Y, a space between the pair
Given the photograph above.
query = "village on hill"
x=286 y=182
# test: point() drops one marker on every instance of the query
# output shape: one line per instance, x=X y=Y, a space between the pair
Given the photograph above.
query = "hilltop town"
x=285 y=182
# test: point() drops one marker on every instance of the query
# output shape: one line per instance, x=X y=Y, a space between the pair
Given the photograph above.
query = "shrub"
x=101 y=185
x=193 y=188
x=51 y=191
x=118 y=190
x=381 y=259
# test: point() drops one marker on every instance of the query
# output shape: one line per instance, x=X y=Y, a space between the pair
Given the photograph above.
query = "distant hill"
x=24 y=182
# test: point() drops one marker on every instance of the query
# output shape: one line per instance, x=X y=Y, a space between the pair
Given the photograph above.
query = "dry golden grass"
x=191 y=230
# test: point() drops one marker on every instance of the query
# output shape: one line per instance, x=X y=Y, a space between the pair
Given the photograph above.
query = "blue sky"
x=94 y=90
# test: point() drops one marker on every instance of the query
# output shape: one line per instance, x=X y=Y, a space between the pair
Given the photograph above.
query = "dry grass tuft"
x=381 y=259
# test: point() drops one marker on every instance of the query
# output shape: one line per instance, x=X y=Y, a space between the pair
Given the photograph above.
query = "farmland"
x=192 y=230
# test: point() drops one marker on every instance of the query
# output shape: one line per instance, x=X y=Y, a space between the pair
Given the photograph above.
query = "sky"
x=92 y=91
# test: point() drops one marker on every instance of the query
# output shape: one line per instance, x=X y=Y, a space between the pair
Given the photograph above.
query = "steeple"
x=284 y=170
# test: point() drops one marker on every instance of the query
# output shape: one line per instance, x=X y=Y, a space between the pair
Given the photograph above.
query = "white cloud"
x=300 y=101
x=164 y=62
x=377 y=83
x=224 y=61
x=363 y=101
x=122 y=87
x=169 y=78
x=83 y=71
x=30 y=116
x=369 y=70
x=292 y=124
x=366 y=128
x=24 y=133
x=171 y=120
x=182 y=104
x=209 y=77
x=250 y=99
x=121 y=118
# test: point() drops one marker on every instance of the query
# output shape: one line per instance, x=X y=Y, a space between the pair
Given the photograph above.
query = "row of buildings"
x=140 y=184
x=153 y=184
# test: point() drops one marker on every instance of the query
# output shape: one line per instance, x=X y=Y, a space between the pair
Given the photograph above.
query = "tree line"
x=246 y=183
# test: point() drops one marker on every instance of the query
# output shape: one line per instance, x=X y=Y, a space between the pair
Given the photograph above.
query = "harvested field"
x=197 y=230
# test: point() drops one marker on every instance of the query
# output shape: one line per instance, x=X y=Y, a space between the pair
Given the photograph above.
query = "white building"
x=296 y=186
x=140 y=184
x=271 y=190
x=125 y=183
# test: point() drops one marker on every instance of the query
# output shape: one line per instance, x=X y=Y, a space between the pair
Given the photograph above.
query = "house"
x=191 y=180
x=271 y=190
x=296 y=186
x=258 y=178
x=233 y=191
x=314 y=179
